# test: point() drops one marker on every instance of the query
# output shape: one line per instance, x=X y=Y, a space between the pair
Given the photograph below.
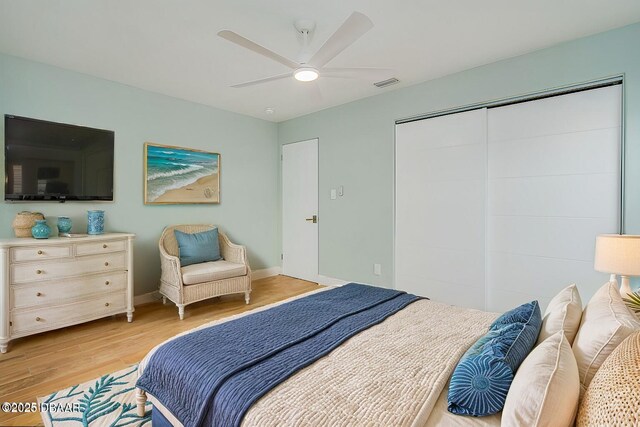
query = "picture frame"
x=178 y=175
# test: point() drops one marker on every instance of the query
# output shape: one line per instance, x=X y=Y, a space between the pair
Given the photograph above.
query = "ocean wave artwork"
x=181 y=175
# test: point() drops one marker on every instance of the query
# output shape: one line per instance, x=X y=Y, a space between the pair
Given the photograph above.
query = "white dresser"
x=56 y=282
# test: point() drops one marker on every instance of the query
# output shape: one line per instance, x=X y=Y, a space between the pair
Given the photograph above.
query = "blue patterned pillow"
x=482 y=378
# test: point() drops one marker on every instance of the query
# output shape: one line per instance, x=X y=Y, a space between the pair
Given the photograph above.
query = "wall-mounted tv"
x=57 y=162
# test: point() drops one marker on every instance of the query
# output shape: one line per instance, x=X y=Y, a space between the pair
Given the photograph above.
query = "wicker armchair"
x=198 y=282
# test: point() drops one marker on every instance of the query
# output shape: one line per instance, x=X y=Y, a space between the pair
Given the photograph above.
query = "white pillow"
x=546 y=388
x=562 y=314
x=606 y=322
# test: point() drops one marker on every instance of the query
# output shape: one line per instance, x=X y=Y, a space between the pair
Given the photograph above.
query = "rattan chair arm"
x=232 y=252
x=170 y=266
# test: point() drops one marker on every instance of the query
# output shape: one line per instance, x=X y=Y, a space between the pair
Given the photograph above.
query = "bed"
x=367 y=380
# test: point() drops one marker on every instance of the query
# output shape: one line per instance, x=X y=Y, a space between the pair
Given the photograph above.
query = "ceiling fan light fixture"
x=305 y=74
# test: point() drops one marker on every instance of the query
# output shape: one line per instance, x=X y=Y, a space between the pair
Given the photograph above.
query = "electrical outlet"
x=377 y=269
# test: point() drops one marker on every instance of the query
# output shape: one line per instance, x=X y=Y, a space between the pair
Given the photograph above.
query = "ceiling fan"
x=310 y=67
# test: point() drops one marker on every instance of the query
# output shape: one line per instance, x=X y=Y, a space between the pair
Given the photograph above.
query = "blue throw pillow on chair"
x=198 y=247
x=482 y=378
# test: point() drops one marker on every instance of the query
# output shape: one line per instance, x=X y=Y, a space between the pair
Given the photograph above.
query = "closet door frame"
x=618 y=79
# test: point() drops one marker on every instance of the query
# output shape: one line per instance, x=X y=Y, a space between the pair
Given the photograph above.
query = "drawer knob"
x=38 y=294
x=38 y=271
x=106 y=304
x=107 y=282
x=106 y=264
x=38 y=319
x=40 y=252
x=104 y=246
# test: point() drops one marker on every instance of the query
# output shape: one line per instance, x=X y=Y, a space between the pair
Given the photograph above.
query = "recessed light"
x=269 y=110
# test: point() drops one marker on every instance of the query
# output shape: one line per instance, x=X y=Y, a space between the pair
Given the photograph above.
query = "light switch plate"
x=333 y=194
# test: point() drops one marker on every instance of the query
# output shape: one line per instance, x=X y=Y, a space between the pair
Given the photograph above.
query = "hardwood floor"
x=41 y=364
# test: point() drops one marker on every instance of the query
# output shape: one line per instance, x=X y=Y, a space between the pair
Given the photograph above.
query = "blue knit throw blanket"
x=211 y=377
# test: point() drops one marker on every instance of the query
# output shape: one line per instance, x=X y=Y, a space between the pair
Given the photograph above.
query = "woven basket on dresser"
x=171 y=285
x=613 y=396
x=24 y=221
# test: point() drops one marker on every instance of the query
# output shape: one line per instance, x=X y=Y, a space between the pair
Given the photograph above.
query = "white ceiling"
x=171 y=46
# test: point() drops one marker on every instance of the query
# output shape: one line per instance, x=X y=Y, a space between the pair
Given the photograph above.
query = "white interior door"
x=300 y=210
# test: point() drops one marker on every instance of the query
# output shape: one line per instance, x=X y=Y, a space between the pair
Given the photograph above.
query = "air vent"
x=385 y=83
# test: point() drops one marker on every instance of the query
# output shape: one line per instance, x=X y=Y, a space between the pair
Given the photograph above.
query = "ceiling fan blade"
x=357 y=73
x=266 y=79
x=255 y=47
x=353 y=28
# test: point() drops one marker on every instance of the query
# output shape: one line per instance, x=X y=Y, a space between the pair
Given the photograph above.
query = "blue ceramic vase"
x=95 y=222
x=64 y=224
x=41 y=230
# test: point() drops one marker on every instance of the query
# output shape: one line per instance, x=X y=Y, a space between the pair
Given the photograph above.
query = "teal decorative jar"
x=64 y=224
x=41 y=230
x=95 y=222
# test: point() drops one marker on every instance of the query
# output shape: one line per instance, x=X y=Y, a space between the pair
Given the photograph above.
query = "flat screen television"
x=55 y=161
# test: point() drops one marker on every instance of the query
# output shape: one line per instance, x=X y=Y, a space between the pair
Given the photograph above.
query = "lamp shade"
x=618 y=254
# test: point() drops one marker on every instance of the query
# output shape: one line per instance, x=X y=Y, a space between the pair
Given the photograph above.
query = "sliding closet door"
x=440 y=208
x=554 y=184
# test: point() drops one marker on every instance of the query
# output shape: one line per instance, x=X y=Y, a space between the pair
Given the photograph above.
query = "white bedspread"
x=392 y=374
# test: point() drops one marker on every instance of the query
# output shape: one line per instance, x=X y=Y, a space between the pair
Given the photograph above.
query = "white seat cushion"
x=210 y=271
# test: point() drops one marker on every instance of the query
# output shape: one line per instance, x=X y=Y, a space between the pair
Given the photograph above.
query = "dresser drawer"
x=49 y=270
x=33 y=253
x=32 y=320
x=93 y=248
x=64 y=291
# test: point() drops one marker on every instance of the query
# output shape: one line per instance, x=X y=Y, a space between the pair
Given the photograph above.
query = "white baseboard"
x=331 y=281
x=265 y=272
x=146 y=298
x=274 y=271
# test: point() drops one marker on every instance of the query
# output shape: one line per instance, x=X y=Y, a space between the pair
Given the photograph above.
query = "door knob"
x=313 y=219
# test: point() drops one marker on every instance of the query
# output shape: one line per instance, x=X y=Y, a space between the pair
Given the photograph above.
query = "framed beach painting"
x=176 y=175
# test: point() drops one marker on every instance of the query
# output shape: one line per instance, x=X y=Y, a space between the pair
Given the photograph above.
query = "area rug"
x=106 y=401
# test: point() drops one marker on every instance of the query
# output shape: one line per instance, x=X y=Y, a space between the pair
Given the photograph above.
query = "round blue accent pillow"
x=482 y=378
x=480 y=386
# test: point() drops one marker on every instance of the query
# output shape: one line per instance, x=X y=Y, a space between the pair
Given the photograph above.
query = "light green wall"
x=356 y=150
x=248 y=146
x=357 y=140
